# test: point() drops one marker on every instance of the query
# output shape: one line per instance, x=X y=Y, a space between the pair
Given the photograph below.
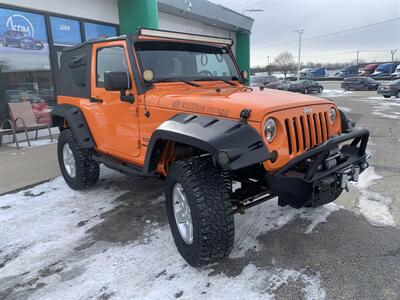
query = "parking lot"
x=113 y=241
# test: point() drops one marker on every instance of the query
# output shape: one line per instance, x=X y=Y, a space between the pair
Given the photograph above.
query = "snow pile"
x=345 y=109
x=374 y=206
x=334 y=93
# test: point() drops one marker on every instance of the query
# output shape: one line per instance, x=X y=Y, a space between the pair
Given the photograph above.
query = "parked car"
x=267 y=81
x=390 y=89
x=369 y=69
x=349 y=71
x=396 y=74
x=313 y=73
x=384 y=71
x=305 y=86
x=359 y=84
x=21 y=40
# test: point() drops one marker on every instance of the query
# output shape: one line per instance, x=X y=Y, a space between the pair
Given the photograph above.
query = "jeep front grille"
x=307 y=131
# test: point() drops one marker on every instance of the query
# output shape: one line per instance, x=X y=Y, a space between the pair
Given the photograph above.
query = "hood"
x=227 y=101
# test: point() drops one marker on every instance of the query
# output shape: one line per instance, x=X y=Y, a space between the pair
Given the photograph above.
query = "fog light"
x=223 y=159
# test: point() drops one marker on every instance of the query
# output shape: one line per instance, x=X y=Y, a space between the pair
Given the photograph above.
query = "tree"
x=285 y=62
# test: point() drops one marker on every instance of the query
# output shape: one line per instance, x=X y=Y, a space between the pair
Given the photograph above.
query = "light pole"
x=300 y=32
x=358 y=52
x=393 y=52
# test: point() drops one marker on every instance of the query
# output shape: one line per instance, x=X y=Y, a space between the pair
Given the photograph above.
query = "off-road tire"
x=87 y=170
x=211 y=211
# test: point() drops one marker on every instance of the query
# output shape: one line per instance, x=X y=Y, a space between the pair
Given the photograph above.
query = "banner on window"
x=22 y=31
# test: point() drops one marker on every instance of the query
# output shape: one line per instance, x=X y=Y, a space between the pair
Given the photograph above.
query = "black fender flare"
x=346 y=124
x=241 y=142
x=76 y=121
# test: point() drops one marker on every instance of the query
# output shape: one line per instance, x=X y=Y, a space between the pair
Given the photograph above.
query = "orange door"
x=116 y=121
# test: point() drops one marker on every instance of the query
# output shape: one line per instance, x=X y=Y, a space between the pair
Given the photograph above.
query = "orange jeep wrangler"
x=175 y=105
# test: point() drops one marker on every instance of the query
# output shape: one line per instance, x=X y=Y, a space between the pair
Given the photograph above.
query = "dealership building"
x=34 y=32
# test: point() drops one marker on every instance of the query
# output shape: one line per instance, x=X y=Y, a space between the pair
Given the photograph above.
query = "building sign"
x=98 y=31
x=65 y=32
x=22 y=31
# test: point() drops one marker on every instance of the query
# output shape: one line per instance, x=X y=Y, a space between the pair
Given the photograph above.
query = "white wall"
x=175 y=23
x=99 y=10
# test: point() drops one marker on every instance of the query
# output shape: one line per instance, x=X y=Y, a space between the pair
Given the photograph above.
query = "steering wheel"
x=205 y=73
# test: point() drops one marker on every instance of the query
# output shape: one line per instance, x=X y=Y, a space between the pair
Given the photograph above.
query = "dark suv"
x=268 y=81
x=305 y=86
x=21 y=40
x=390 y=89
x=359 y=84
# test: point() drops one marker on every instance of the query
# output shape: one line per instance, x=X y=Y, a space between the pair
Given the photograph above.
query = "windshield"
x=170 y=61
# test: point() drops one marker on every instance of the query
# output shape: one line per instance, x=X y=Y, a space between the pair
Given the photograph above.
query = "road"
x=113 y=241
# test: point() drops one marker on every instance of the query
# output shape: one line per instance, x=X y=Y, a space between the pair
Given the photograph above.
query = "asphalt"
x=351 y=258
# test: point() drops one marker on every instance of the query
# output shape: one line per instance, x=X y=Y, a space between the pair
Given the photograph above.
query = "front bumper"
x=319 y=175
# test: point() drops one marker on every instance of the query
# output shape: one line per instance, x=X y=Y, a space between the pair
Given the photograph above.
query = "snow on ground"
x=374 y=206
x=34 y=143
x=345 y=109
x=385 y=109
x=42 y=228
x=269 y=216
x=334 y=93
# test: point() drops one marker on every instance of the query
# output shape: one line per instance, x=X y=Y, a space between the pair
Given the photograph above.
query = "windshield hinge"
x=245 y=114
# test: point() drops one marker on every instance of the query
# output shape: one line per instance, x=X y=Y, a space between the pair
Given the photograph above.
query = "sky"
x=279 y=20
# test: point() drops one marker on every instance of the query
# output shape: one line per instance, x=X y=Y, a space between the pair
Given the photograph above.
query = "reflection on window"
x=99 y=31
x=110 y=59
x=24 y=63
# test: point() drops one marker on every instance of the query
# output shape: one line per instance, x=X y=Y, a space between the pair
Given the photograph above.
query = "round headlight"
x=332 y=115
x=270 y=129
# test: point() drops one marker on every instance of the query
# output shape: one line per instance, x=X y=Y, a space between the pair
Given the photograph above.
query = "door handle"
x=95 y=100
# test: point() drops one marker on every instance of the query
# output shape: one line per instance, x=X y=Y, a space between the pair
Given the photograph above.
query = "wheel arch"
x=241 y=142
x=73 y=115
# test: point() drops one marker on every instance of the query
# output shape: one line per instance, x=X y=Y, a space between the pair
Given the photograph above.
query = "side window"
x=110 y=59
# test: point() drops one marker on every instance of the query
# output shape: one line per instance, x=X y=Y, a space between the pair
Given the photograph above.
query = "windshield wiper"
x=177 y=79
x=215 y=79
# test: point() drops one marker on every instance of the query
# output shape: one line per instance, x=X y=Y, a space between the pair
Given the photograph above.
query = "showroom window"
x=31 y=44
x=25 y=73
x=65 y=32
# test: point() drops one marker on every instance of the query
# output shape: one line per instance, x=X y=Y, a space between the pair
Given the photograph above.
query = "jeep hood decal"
x=229 y=102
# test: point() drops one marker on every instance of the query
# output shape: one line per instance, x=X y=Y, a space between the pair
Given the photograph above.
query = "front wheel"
x=78 y=168
x=386 y=96
x=306 y=91
x=199 y=211
x=320 y=90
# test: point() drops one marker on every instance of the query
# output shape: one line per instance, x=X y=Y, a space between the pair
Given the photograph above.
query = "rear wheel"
x=199 y=211
x=306 y=91
x=78 y=168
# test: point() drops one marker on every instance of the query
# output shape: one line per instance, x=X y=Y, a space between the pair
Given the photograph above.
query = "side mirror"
x=118 y=81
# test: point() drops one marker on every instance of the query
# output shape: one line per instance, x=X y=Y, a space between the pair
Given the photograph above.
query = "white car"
x=396 y=74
